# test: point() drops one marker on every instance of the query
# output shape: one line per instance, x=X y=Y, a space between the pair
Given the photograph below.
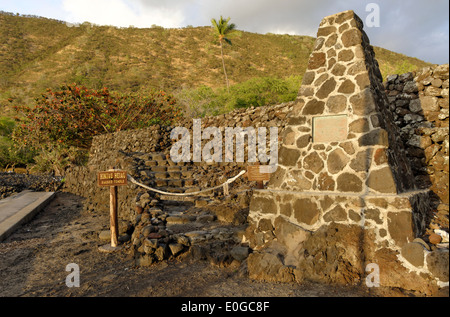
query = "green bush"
x=62 y=123
x=264 y=91
x=6 y=126
x=256 y=92
x=10 y=153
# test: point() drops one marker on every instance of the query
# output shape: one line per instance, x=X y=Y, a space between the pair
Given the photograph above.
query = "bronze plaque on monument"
x=330 y=129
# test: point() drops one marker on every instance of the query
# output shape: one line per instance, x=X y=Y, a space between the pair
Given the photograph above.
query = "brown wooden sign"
x=254 y=174
x=112 y=178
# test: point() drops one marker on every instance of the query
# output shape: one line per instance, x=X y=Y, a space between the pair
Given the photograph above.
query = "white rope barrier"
x=224 y=185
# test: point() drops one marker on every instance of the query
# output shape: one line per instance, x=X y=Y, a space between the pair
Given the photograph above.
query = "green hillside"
x=38 y=53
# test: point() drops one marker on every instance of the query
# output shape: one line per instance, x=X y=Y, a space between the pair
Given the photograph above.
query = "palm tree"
x=222 y=29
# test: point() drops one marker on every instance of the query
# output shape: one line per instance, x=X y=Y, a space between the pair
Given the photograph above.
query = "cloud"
x=262 y=16
x=121 y=13
x=415 y=28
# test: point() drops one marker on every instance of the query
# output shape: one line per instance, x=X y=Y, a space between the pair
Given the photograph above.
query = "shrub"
x=63 y=123
x=10 y=153
x=256 y=92
x=264 y=91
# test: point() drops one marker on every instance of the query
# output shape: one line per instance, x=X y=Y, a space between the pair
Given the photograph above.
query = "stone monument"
x=341 y=163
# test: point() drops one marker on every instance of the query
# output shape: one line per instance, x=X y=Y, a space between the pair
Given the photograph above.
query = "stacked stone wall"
x=419 y=102
x=108 y=151
x=130 y=150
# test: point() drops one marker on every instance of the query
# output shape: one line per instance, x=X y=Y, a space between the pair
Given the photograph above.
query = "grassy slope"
x=38 y=53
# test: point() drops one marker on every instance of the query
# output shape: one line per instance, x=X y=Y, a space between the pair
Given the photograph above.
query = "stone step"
x=177 y=198
x=182 y=204
x=175 y=175
x=177 y=170
x=202 y=202
x=172 y=175
x=196 y=189
x=175 y=210
x=190 y=184
x=158 y=168
x=208 y=235
x=180 y=219
x=182 y=223
x=163 y=184
x=159 y=175
x=151 y=163
x=159 y=157
x=168 y=163
x=162 y=163
x=188 y=190
x=175 y=182
x=160 y=183
x=173 y=189
x=198 y=201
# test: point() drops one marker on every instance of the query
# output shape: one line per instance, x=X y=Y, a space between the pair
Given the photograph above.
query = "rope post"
x=225 y=190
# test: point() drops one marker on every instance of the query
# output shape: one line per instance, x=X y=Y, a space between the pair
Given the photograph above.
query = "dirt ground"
x=33 y=263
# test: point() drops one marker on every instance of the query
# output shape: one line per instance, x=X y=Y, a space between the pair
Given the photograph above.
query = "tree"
x=222 y=29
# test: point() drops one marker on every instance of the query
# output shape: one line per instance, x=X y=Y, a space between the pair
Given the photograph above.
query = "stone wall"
x=110 y=150
x=419 y=102
x=130 y=150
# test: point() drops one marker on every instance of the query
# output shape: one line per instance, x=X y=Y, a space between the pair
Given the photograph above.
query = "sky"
x=416 y=28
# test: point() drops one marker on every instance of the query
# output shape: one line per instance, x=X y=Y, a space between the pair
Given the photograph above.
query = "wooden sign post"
x=254 y=174
x=114 y=225
x=112 y=179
